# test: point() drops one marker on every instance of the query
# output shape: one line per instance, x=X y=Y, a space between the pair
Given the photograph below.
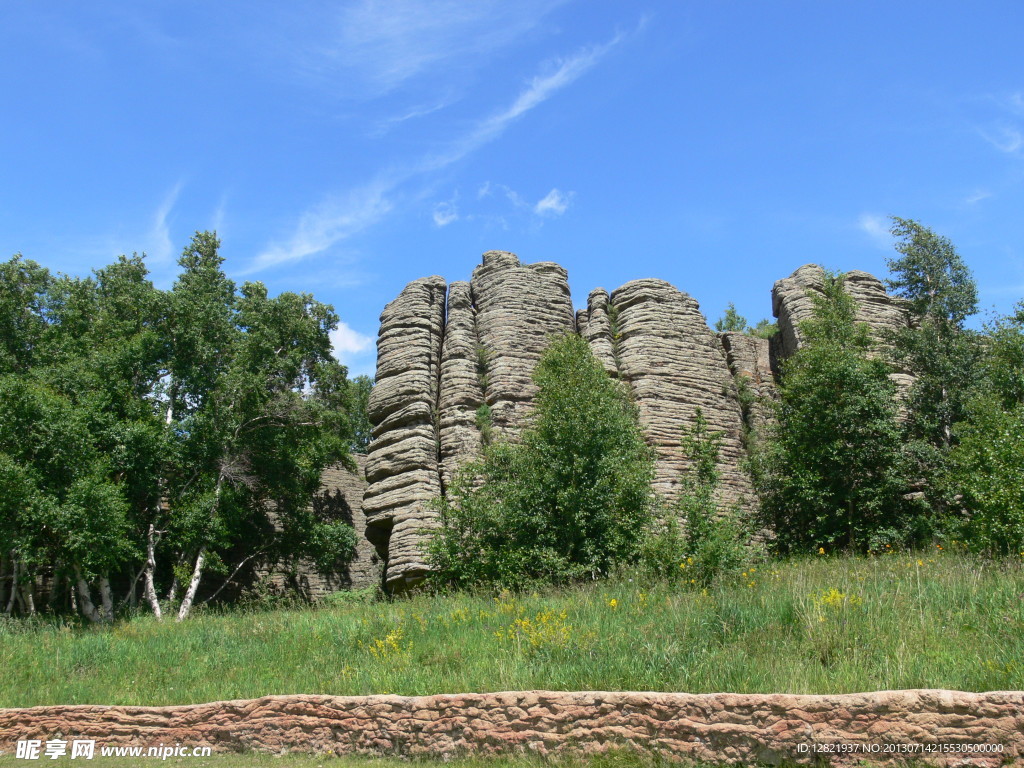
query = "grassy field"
x=817 y=625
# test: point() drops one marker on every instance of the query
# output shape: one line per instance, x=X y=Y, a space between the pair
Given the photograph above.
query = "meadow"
x=818 y=624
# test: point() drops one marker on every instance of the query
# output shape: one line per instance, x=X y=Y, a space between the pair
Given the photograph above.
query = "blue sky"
x=346 y=148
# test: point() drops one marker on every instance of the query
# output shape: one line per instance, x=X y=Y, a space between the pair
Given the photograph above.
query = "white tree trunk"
x=106 y=598
x=14 y=588
x=28 y=596
x=85 y=603
x=150 y=568
x=193 y=586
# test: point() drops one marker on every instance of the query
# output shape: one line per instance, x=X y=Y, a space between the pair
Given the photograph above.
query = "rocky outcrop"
x=463 y=375
x=519 y=309
x=750 y=361
x=340 y=498
x=939 y=728
x=792 y=304
x=402 y=469
x=674 y=365
x=595 y=325
x=452 y=363
x=455 y=367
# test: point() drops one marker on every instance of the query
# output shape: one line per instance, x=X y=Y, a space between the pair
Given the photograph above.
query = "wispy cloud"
x=158 y=245
x=386 y=43
x=1005 y=138
x=558 y=74
x=877 y=228
x=339 y=218
x=347 y=342
x=977 y=196
x=334 y=220
x=555 y=203
x=445 y=213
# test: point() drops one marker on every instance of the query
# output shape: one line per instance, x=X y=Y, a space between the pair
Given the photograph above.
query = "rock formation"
x=662 y=347
x=753 y=366
x=455 y=366
x=792 y=304
x=341 y=498
x=402 y=461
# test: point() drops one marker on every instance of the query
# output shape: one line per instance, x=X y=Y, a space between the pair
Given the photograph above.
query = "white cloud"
x=977 y=196
x=386 y=43
x=159 y=246
x=348 y=343
x=334 y=220
x=877 y=228
x=445 y=213
x=1005 y=138
x=562 y=72
x=553 y=204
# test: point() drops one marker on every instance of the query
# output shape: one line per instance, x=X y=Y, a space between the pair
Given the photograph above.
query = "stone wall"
x=719 y=728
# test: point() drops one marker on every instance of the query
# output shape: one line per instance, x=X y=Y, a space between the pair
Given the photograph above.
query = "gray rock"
x=519 y=309
x=462 y=370
x=675 y=365
x=594 y=325
x=340 y=495
x=792 y=304
x=749 y=359
x=402 y=468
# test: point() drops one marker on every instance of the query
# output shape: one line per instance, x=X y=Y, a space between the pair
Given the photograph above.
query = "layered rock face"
x=654 y=337
x=402 y=460
x=455 y=366
x=792 y=304
x=519 y=309
x=753 y=365
x=340 y=498
x=443 y=352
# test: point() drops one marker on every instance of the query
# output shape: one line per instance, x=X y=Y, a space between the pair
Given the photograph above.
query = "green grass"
x=817 y=625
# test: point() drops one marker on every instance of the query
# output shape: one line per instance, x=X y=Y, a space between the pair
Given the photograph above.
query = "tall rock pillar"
x=402 y=471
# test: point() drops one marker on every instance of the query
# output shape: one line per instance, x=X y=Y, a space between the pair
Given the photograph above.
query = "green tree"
x=359 y=411
x=940 y=294
x=700 y=539
x=764 y=329
x=571 y=499
x=986 y=474
x=257 y=406
x=832 y=465
x=731 y=320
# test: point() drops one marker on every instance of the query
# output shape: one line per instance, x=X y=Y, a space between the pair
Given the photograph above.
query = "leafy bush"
x=712 y=541
x=986 y=469
x=571 y=499
x=832 y=470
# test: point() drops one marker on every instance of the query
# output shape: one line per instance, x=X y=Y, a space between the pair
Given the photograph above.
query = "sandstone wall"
x=719 y=728
x=791 y=303
x=402 y=465
x=456 y=359
x=519 y=308
x=674 y=365
x=750 y=360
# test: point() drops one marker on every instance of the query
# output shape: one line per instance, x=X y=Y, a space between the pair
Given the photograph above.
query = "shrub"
x=571 y=499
